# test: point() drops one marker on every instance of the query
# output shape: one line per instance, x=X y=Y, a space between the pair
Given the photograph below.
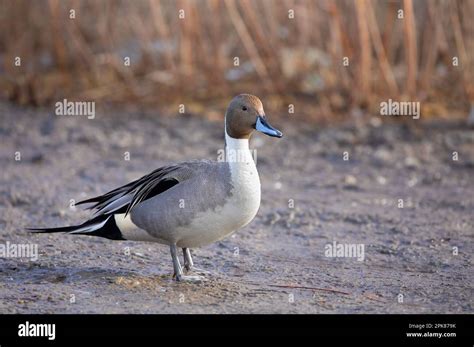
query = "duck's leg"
x=178 y=270
x=188 y=259
x=189 y=264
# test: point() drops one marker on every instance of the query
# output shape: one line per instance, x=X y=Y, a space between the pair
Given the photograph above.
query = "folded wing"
x=123 y=199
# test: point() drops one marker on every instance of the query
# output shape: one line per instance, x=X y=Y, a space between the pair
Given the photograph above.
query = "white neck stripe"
x=231 y=142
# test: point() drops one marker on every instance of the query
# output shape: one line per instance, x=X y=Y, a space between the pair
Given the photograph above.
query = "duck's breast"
x=237 y=210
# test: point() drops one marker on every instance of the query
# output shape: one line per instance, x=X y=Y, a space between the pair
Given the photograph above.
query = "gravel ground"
x=311 y=197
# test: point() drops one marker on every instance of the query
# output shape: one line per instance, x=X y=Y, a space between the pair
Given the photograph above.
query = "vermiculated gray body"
x=205 y=186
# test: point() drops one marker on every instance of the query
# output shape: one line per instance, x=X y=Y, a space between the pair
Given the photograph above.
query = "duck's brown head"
x=244 y=115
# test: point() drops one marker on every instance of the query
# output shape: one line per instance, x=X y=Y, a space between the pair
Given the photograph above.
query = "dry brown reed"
x=174 y=58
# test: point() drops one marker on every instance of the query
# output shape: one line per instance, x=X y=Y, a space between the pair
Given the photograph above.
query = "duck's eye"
x=244 y=108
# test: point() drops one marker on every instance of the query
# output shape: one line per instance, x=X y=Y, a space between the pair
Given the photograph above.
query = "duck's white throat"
x=238 y=151
x=245 y=180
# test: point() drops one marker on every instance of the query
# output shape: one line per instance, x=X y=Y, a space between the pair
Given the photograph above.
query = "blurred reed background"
x=282 y=58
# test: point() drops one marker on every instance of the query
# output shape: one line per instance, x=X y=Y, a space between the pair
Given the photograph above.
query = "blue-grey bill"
x=264 y=127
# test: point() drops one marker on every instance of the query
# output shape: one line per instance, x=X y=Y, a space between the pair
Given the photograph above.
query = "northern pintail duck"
x=190 y=204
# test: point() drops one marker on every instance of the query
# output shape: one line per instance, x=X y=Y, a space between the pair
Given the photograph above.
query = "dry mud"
x=311 y=197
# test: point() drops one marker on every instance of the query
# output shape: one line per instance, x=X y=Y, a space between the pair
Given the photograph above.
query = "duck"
x=189 y=204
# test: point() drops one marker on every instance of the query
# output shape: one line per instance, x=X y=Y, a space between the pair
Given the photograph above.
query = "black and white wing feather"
x=123 y=199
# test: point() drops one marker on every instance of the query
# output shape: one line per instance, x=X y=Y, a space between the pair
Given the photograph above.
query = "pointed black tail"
x=102 y=226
